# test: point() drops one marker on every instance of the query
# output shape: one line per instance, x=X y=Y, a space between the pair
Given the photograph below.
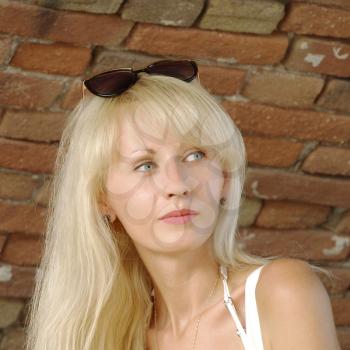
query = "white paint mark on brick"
x=304 y=45
x=338 y=55
x=5 y=273
x=254 y=187
x=315 y=60
x=341 y=242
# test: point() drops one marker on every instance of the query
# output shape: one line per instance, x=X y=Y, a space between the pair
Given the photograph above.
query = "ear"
x=107 y=210
x=225 y=186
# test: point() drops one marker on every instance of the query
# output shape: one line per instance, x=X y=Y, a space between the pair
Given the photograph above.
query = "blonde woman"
x=140 y=250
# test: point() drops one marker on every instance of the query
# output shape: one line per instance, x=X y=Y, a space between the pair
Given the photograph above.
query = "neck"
x=182 y=286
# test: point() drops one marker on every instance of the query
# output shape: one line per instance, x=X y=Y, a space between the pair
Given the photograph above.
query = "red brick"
x=5 y=48
x=37 y=126
x=318 y=20
x=277 y=88
x=286 y=215
x=80 y=28
x=328 y=160
x=220 y=80
x=320 y=56
x=300 y=244
x=52 y=58
x=73 y=95
x=268 y=184
x=271 y=152
x=16 y=281
x=331 y=3
x=28 y=219
x=343 y=225
x=280 y=122
x=28 y=92
x=17 y=186
x=207 y=44
x=336 y=95
x=2 y=242
x=341 y=311
x=340 y=280
x=27 y=156
x=343 y=334
x=21 y=250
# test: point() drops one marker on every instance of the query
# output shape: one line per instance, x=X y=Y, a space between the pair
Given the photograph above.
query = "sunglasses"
x=115 y=82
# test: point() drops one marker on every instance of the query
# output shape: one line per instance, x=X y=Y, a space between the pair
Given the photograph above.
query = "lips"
x=181 y=212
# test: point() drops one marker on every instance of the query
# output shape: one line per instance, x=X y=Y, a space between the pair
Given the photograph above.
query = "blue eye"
x=147 y=163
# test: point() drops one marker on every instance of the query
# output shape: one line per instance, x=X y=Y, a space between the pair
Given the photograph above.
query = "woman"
x=140 y=250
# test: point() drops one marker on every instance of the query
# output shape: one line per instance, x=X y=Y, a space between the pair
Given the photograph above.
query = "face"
x=142 y=187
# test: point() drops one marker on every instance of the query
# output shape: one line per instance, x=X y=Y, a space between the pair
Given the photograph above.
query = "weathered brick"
x=341 y=311
x=43 y=195
x=29 y=219
x=320 y=56
x=27 y=156
x=328 y=160
x=37 y=126
x=17 y=186
x=16 y=281
x=302 y=124
x=252 y=16
x=340 y=280
x=336 y=3
x=248 y=211
x=285 y=215
x=300 y=244
x=13 y=339
x=196 y=43
x=283 y=89
x=52 y=58
x=111 y=59
x=2 y=242
x=9 y=311
x=20 y=250
x=317 y=20
x=343 y=225
x=343 y=334
x=5 y=47
x=96 y=6
x=268 y=184
x=272 y=152
x=20 y=90
x=221 y=80
x=336 y=95
x=73 y=95
x=80 y=28
x=180 y=13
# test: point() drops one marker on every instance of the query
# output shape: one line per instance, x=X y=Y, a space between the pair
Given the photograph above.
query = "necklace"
x=197 y=325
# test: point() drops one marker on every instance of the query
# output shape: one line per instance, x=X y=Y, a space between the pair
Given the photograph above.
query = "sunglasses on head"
x=115 y=82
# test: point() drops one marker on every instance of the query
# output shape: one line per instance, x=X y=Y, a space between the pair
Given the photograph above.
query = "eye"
x=202 y=154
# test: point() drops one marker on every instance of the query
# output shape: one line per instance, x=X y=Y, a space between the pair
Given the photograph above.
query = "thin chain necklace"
x=197 y=325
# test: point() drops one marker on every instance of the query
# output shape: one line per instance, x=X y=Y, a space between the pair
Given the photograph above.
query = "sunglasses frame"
x=135 y=75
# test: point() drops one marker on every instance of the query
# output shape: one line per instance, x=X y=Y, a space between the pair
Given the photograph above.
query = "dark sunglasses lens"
x=111 y=83
x=184 y=70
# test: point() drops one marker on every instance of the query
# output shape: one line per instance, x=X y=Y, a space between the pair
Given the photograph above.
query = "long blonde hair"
x=92 y=289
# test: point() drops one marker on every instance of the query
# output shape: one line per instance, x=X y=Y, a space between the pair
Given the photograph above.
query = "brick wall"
x=280 y=69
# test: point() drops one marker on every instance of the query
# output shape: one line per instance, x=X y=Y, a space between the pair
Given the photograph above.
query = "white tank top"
x=251 y=337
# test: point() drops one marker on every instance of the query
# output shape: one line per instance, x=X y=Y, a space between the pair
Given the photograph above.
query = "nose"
x=177 y=179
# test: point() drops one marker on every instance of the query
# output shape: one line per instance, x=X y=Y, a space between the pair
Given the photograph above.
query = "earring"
x=222 y=201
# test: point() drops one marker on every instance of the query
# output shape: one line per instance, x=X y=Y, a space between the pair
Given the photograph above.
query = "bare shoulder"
x=295 y=307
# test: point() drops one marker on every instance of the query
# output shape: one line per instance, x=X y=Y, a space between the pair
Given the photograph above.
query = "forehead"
x=139 y=131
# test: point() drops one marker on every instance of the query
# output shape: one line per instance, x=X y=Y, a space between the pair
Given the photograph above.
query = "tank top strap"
x=253 y=327
x=248 y=345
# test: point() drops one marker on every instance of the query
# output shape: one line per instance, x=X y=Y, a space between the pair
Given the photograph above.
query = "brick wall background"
x=279 y=68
